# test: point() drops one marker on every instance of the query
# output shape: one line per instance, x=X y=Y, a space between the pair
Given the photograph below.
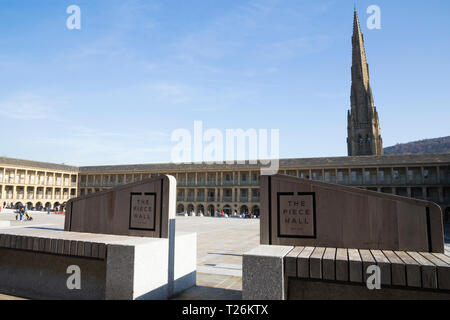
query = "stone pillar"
x=441 y=194
x=407 y=175
x=249 y=195
x=422 y=171
x=438 y=172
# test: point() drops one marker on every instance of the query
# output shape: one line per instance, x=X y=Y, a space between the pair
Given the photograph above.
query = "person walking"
x=21 y=212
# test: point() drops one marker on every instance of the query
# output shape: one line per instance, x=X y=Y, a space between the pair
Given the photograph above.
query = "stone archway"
x=18 y=205
x=56 y=206
x=255 y=210
x=190 y=209
x=211 y=210
x=39 y=206
x=227 y=210
x=29 y=205
x=48 y=205
x=201 y=209
x=244 y=209
x=180 y=208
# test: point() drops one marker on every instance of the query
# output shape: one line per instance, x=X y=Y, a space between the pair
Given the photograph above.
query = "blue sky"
x=113 y=92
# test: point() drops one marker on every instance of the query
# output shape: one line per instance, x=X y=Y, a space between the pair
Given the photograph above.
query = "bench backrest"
x=140 y=209
x=302 y=212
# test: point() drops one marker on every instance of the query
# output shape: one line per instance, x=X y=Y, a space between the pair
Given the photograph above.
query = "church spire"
x=360 y=69
x=364 y=137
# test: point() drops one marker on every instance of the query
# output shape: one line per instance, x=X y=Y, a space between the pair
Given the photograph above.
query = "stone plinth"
x=263 y=273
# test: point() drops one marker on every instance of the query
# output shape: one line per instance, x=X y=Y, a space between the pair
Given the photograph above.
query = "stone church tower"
x=364 y=134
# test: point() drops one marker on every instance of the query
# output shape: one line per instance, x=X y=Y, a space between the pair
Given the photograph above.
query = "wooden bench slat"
x=355 y=266
x=290 y=261
x=413 y=272
x=429 y=275
x=342 y=273
x=385 y=267
x=329 y=264
x=443 y=257
x=315 y=263
x=398 y=269
x=367 y=260
x=443 y=270
x=303 y=262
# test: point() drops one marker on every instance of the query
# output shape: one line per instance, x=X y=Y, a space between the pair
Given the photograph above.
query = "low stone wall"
x=34 y=264
x=291 y=273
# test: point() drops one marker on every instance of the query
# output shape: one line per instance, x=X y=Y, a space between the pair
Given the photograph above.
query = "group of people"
x=7 y=205
x=23 y=212
x=244 y=215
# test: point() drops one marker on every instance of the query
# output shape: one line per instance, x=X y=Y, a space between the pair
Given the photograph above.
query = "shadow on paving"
x=208 y=293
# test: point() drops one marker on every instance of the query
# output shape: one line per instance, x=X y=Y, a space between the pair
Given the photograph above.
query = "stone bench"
x=288 y=272
x=34 y=263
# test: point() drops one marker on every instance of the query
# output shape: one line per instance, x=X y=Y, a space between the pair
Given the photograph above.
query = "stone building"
x=364 y=133
x=36 y=184
x=206 y=188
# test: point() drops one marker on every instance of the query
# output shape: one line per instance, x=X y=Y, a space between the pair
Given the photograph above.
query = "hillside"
x=438 y=145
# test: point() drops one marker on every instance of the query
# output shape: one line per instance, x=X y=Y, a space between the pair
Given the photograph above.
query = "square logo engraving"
x=142 y=211
x=296 y=216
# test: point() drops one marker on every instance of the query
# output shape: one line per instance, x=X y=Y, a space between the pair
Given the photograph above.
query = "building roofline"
x=332 y=162
x=37 y=164
x=335 y=162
